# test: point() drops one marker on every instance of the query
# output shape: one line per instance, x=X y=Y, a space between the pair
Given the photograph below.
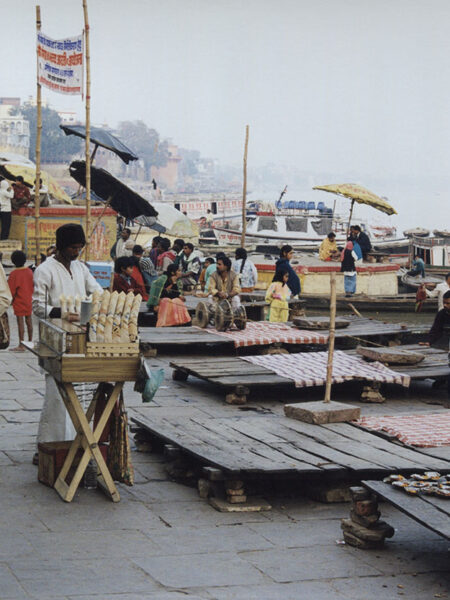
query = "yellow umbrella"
x=358 y=193
x=28 y=173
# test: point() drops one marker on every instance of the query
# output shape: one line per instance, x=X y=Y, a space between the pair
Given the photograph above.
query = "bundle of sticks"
x=114 y=317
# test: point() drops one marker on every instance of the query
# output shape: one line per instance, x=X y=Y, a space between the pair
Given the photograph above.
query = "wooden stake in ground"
x=37 y=184
x=244 y=191
x=331 y=336
x=88 y=129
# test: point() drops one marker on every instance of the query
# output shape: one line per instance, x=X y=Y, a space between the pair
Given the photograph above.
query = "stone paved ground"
x=162 y=542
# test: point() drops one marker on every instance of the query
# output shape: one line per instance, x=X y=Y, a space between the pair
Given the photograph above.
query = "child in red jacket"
x=20 y=283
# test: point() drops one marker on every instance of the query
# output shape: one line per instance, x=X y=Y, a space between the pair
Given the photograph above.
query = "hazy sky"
x=351 y=86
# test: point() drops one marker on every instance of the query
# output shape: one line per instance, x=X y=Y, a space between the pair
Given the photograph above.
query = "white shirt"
x=249 y=275
x=53 y=279
x=121 y=249
x=439 y=291
x=5 y=196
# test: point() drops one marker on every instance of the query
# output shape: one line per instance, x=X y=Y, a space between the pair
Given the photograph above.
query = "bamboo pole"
x=244 y=191
x=331 y=336
x=350 y=218
x=37 y=184
x=88 y=129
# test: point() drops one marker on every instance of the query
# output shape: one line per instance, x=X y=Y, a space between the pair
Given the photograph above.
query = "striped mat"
x=309 y=369
x=260 y=333
x=425 y=431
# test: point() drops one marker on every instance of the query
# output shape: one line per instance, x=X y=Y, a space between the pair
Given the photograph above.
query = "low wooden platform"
x=430 y=511
x=238 y=377
x=184 y=338
x=191 y=339
x=434 y=366
x=404 y=303
x=246 y=445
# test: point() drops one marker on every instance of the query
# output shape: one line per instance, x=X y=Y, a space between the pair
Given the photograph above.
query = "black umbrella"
x=101 y=137
x=121 y=198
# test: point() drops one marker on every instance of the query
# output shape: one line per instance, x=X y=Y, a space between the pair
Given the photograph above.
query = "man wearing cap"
x=60 y=274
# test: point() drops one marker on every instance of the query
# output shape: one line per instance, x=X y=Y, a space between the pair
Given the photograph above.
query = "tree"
x=56 y=147
x=146 y=143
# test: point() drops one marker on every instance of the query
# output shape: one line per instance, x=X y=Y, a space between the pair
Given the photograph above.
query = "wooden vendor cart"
x=65 y=353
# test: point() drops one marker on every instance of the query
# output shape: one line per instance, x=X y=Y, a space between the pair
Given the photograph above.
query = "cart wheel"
x=202 y=314
x=240 y=318
x=223 y=317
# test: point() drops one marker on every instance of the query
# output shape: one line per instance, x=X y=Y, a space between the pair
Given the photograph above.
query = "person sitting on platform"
x=439 y=291
x=439 y=334
x=277 y=295
x=60 y=274
x=362 y=238
x=418 y=267
x=166 y=255
x=224 y=283
x=22 y=196
x=167 y=300
x=123 y=277
x=177 y=248
x=202 y=280
x=245 y=269
x=283 y=264
x=190 y=264
x=120 y=248
x=146 y=266
x=328 y=248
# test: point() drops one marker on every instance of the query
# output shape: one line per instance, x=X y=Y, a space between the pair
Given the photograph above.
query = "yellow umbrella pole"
x=37 y=183
x=88 y=129
x=350 y=217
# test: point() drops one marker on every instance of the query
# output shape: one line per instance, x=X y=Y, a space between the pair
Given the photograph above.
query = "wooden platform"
x=195 y=339
x=404 y=303
x=430 y=511
x=246 y=445
x=238 y=377
x=434 y=366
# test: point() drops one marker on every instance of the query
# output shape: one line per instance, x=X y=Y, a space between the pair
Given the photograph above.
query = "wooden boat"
x=442 y=233
x=404 y=303
x=414 y=282
x=416 y=231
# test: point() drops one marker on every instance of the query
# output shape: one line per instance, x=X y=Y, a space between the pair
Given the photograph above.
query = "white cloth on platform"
x=52 y=278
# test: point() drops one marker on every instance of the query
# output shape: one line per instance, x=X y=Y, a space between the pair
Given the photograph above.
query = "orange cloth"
x=172 y=312
x=137 y=276
x=20 y=283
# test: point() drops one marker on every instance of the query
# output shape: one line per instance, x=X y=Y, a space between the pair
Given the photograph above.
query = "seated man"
x=22 y=196
x=328 y=248
x=439 y=333
x=418 y=267
x=190 y=265
x=224 y=283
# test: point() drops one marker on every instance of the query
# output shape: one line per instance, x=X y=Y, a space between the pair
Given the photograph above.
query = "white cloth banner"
x=60 y=63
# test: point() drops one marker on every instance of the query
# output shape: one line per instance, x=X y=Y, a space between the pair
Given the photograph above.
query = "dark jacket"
x=364 y=243
x=348 y=262
x=293 y=281
x=439 y=333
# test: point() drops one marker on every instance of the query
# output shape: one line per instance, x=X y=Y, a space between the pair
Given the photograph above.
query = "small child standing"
x=20 y=283
x=277 y=296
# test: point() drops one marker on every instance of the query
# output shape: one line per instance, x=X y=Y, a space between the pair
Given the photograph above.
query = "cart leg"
x=89 y=442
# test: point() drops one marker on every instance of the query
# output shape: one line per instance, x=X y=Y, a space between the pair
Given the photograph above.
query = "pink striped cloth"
x=260 y=333
x=309 y=369
x=425 y=431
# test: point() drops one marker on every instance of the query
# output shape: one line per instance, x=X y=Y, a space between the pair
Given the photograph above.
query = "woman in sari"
x=166 y=299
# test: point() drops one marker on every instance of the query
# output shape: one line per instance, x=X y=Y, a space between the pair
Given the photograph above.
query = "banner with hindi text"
x=60 y=63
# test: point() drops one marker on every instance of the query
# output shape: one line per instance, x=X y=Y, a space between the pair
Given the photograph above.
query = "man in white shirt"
x=439 y=291
x=121 y=248
x=60 y=274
